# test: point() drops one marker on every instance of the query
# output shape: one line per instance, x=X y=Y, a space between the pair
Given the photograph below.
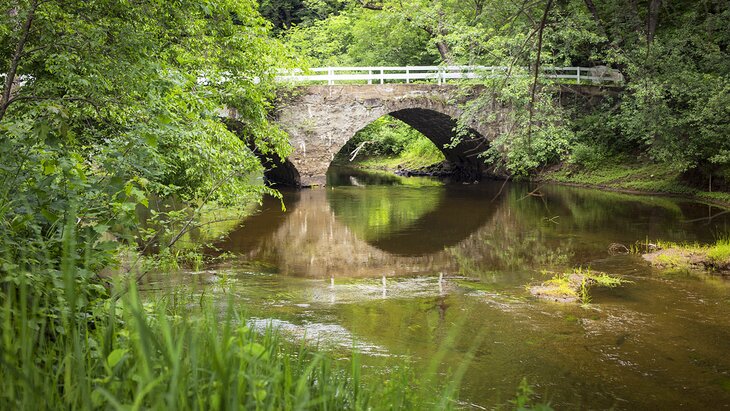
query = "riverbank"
x=624 y=177
x=633 y=178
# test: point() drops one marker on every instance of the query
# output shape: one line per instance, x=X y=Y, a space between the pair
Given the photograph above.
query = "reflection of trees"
x=421 y=222
x=376 y=211
x=566 y=227
x=511 y=243
x=309 y=241
x=603 y=217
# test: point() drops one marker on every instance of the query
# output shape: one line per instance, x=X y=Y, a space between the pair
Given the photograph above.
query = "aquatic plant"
x=573 y=285
x=720 y=251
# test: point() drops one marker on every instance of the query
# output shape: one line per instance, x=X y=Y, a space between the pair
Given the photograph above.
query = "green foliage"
x=536 y=137
x=119 y=101
x=524 y=399
x=358 y=37
x=284 y=14
x=388 y=142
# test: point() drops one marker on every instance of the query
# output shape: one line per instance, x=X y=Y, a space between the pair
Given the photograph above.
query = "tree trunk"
x=592 y=8
x=531 y=105
x=653 y=20
x=10 y=76
x=444 y=51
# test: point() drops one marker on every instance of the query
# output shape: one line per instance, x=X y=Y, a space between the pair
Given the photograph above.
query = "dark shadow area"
x=281 y=174
x=440 y=129
x=277 y=172
x=413 y=223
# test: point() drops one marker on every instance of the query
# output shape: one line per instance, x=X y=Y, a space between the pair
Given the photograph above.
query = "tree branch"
x=537 y=70
x=366 y=4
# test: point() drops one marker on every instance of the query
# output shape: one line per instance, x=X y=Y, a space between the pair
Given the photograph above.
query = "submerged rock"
x=561 y=289
x=572 y=287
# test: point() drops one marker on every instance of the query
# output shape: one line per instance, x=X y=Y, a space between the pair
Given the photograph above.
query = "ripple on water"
x=320 y=334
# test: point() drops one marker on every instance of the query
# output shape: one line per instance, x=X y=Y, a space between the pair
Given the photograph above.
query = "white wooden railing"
x=442 y=74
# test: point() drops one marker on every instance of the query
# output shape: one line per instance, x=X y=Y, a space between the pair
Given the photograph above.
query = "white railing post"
x=382 y=77
x=408 y=72
x=578 y=75
x=330 y=76
x=370 y=77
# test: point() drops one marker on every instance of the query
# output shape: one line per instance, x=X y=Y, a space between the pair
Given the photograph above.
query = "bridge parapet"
x=442 y=74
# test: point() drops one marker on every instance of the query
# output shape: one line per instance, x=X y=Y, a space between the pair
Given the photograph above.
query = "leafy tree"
x=106 y=102
x=285 y=14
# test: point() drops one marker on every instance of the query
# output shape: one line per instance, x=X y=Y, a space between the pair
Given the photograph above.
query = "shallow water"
x=361 y=260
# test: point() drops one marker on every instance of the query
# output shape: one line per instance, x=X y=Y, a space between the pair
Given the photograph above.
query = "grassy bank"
x=633 y=177
x=417 y=155
x=389 y=144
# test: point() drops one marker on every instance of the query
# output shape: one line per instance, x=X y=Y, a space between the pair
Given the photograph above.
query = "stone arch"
x=321 y=119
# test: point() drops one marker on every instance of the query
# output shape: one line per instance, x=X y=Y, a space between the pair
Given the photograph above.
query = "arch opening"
x=391 y=143
x=413 y=141
x=281 y=174
x=440 y=129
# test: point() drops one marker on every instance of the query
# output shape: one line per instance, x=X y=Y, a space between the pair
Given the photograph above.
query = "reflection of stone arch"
x=311 y=240
x=415 y=237
x=321 y=119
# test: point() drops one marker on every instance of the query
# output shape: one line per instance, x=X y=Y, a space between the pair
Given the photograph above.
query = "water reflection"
x=311 y=240
x=370 y=231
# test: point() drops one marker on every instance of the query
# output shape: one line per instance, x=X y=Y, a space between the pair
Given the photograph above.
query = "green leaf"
x=101 y=228
x=115 y=357
x=255 y=350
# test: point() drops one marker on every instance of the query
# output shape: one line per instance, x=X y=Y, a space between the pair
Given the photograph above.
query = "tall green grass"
x=133 y=355
x=720 y=251
x=62 y=350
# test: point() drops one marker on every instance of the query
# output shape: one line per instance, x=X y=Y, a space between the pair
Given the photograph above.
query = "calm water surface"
x=316 y=270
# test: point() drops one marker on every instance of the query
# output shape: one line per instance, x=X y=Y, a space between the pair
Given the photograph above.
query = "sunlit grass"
x=720 y=251
x=574 y=285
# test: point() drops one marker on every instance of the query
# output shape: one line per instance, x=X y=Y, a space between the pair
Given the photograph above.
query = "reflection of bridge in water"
x=356 y=232
x=457 y=229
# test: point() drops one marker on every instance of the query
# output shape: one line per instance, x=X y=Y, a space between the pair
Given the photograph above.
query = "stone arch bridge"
x=320 y=120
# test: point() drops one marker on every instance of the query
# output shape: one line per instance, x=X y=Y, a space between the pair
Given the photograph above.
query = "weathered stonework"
x=321 y=119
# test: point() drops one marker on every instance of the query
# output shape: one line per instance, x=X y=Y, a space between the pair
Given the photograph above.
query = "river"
x=416 y=269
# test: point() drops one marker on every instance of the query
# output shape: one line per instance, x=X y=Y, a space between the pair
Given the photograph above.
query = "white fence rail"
x=442 y=74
